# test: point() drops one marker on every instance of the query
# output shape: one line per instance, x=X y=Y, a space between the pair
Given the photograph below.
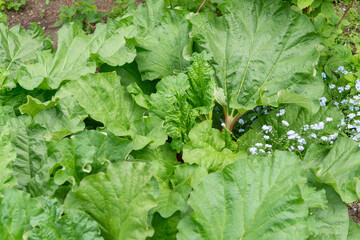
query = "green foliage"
x=83 y=13
x=11 y=4
x=241 y=121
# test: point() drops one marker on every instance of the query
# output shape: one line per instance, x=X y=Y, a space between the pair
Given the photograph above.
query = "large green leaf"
x=251 y=199
x=70 y=61
x=34 y=106
x=202 y=83
x=16 y=209
x=34 y=158
x=87 y=153
x=339 y=168
x=163 y=161
x=7 y=157
x=208 y=148
x=263 y=54
x=17 y=47
x=114 y=45
x=52 y=225
x=148 y=16
x=332 y=222
x=354 y=231
x=148 y=131
x=170 y=102
x=165 y=228
x=64 y=119
x=118 y=200
x=158 y=57
x=105 y=100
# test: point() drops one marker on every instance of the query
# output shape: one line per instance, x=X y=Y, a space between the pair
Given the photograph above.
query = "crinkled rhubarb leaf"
x=159 y=56
x=207 y=147
x=87 y=153
x=263 y=53
x=257 y=198
x=105 y=100
x=339 y=168
x=118 y=200
x=70 y=61
x=16 y=210
x=52 y=225
x=17 y=47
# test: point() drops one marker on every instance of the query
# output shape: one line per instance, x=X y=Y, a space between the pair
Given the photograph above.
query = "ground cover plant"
x=181 y=120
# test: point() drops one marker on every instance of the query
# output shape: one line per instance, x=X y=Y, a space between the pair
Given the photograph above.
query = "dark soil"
x=32 y=12
x=354 y=211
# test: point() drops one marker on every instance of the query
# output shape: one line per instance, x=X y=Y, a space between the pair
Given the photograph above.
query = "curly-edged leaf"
x=34 y=158
x=173 y=196
x=16 y=209
x=34 y=106
x=339 y=168
x=114 y=46
x=70 y=61
x=64 y=119
x=165 y=228
x=7 y=157
x=158 y=57
x=332 y=222
x=148 y=132
x=17 y=47
x=207 y=147
x=118 y=200
x=262 y=52
x=170 y=103
x=168 y=92
x=138 y=95
x=251 y=199
x=30 y=149
x=52 y=225
x=178 y=123
x=105 y=100
x=202 y=83
x=162 y=160
x=18 y=96
x=87 y=153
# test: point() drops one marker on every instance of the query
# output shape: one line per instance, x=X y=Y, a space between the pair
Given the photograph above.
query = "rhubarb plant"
x=177 y=120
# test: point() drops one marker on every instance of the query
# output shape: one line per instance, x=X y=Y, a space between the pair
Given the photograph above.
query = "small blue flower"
x=323 y=75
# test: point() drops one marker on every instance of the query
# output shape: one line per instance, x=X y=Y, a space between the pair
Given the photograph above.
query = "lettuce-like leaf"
x=263 y=54
x=87 y=153
x=52 y=225
x=17 y=47
x=339 y=168
x=332 y=222
x=208 y=147
x=148 y=131
x=251 y=199
x=114 y=45
x=118 y=200
x=201 y=93
x=16 y=210
x=34 y=106
x=105 y=100
x=64 y=119
x=158 y=57
x=70 y=61
x=7 y=157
